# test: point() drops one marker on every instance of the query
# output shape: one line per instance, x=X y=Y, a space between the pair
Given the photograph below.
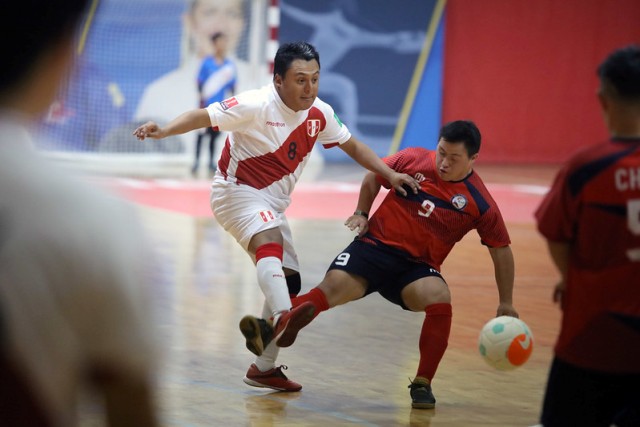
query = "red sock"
x=316 y=296
x=434 y=338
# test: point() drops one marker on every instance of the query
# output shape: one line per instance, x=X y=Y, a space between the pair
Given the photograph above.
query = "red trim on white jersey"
x=262 y=171
x=269 y=144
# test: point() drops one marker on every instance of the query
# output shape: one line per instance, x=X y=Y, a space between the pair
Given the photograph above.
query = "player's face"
x=452 y=161
x=211 y=16
x=299 y=87
x=220 y=46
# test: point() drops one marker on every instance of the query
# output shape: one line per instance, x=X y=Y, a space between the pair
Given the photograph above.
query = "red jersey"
x=427 y=225
x=594 y=205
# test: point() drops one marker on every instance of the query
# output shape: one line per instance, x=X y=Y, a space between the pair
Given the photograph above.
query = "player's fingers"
x=557 y=295
x=411 y=182
x=415 y=185
x=401 y=190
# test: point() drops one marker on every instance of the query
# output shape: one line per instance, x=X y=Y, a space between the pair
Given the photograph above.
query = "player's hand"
x=148 y=130
x=558 y=292
x=357 y=223
x=399 y=180
x=507 y=310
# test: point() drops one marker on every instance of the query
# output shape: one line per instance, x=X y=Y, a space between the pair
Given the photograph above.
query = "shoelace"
x=281 y=368
x=414 y=385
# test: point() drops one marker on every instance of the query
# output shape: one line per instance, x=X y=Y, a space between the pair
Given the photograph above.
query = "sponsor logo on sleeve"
x=228 y=103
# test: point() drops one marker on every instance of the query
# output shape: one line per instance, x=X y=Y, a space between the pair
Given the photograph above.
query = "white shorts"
x=243 y=212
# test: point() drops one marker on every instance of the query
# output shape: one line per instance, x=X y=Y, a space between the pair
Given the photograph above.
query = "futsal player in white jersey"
x=271 y=134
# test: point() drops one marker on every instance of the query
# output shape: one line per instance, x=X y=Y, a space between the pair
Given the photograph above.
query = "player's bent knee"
x=340 y=287
x=421 y=293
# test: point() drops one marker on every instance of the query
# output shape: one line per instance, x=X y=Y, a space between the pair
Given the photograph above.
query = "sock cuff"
x=269 y=249
x=320 y=299
x=438 y=309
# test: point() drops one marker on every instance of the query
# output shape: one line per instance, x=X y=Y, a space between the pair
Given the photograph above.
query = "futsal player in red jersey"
x=399 y=251
x=591 y=220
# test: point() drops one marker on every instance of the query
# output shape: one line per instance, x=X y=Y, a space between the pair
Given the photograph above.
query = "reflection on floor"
x=354 y=361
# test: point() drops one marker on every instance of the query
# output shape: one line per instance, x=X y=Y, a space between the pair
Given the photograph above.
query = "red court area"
x=317 y=200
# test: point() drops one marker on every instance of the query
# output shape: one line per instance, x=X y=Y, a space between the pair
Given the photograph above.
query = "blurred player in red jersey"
x=272 y=131
x=398 y=252
x=591 y=220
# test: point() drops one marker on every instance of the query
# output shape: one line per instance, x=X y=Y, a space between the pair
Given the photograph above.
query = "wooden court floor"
x=354 y=361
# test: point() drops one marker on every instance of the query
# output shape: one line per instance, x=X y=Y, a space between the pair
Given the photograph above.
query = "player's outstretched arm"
x=365 y=156
x=504 y=270
x=191 y=120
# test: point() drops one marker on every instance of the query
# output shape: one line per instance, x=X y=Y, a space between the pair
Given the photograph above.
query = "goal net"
x=137 y=61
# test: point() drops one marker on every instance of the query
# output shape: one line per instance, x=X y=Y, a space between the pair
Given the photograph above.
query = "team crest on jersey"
x=313 y=127
x=228 y=103
x=459 y=201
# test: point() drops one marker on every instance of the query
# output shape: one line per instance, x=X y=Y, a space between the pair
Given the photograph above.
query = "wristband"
x=362 y=213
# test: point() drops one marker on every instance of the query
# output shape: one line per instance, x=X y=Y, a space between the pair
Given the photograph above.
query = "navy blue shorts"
x=386 y=269
x=580 y=397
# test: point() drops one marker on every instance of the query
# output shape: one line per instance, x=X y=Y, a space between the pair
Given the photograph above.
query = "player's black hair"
x=620 y=71
x=215 y=36
x=29 y=28
x=289 y=52
x=462 y=131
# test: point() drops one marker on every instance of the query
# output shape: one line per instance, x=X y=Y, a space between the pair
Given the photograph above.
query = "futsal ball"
x=505 y=343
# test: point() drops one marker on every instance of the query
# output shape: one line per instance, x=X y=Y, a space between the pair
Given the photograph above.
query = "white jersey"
x=73 y=280
x=268 y=143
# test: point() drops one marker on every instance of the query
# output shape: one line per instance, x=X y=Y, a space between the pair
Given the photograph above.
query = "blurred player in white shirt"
x=74 y=304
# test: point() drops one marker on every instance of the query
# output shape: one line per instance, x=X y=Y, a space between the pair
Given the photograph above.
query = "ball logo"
x=505 y=343
x=520 y=350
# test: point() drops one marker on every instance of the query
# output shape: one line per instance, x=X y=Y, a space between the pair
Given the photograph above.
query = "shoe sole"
x=423 y=405
x=298 y=321
x=251 y=330
x=253 y=383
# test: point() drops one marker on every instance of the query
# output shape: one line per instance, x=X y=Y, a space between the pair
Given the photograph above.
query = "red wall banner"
x=525 y=72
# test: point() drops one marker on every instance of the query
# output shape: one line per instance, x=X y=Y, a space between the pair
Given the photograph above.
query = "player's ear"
x=603 y=100
x=277 y=80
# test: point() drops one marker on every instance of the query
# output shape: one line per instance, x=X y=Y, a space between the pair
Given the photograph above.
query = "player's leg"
x=196 y=161
x=627 y=409
x=346 y=279
x=256 y=226
x=266 y=247
x=290 y=263
x=576 y=396
x=338 y=287
x=264 y=372
x=431 y=295
x=213 y=136
x=571 y=397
